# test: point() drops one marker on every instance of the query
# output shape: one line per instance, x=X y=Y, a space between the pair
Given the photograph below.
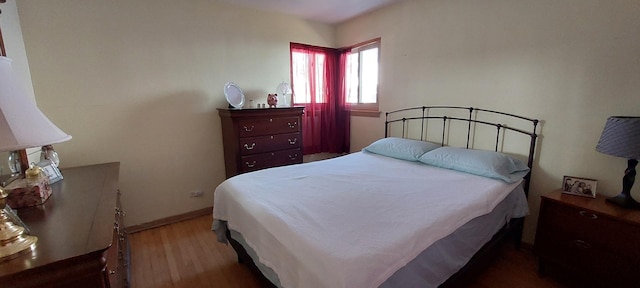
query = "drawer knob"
x=248 y=129
x=292 y=125
x=588 y=215
x=253 y=145
x=293 y=142
x=293 y=157
x=582 y=244
x=250 y=165
x=111 y=272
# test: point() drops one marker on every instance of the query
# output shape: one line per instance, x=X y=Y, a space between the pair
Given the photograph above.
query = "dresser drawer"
x=268 y=126
x=262 y=144
x=272 y=159
x=250 y=136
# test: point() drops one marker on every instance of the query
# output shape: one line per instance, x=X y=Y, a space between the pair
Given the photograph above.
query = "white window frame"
x=359 y=106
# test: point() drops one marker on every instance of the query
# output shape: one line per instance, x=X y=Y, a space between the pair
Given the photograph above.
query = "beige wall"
x=570 y=63
x=139 y=82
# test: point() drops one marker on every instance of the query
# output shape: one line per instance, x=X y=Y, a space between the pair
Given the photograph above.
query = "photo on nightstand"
x=579 y=186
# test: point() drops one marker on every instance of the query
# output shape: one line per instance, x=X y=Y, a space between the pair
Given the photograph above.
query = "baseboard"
x=169 y=220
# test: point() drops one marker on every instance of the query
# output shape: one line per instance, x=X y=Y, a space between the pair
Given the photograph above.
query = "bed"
x=407 y=211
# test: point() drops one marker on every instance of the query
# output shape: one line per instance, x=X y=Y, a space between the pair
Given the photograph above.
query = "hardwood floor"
x=187 y=254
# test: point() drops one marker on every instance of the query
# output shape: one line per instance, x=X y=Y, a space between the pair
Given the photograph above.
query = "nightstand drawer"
x=268 y=126
x=578 y=223
x=593 y=228
x=597 y=242
x=273 y=159
x=256 y=145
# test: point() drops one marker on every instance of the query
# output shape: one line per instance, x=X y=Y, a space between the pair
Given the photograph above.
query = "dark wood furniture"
x=81 y=238
x=588 y=241
x=260 y=138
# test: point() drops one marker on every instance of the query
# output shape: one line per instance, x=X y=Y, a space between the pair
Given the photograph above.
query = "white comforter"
x=350 y=221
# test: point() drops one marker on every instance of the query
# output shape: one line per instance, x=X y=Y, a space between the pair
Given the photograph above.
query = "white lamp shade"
x=22 y=124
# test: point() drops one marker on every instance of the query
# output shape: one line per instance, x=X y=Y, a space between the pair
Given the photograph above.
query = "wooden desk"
x=78 y=232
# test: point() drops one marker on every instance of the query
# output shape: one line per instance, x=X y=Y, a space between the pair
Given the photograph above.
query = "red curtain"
x=326 y=121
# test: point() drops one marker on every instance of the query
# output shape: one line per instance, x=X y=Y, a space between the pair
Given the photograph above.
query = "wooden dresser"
x=255 y=139
x=589 y=241
x=81 y=238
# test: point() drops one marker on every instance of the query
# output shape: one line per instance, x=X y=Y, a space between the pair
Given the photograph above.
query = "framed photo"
x=579 y=186
x=50 y=170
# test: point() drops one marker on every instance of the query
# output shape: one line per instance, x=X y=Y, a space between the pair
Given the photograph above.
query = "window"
x=362 y=76
x=305 y=66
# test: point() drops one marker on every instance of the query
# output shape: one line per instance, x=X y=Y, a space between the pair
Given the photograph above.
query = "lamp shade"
x=22 y=124
x=621 y=137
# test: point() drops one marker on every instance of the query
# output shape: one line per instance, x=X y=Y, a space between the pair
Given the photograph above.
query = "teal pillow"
x=401 y=148
x=478 y=162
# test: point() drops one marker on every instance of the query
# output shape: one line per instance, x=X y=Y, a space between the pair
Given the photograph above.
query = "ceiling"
x=326 y=11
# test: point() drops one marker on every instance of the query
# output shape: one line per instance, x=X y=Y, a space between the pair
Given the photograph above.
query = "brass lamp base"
x=13 y=240
x=12 y=237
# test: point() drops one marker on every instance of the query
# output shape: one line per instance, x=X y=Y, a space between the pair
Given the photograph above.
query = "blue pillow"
x=401 y=148
x=478 y=162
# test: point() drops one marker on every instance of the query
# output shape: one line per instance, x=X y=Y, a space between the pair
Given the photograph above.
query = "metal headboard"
x=421 y=115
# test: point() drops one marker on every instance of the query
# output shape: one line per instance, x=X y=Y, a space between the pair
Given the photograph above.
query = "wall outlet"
x=196 y=193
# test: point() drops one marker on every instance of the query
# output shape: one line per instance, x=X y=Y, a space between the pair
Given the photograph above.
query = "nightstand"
x=588 y=240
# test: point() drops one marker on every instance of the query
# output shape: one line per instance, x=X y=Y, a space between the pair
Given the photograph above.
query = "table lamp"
x=22 y=125
x=284 y=90
x=621 y=138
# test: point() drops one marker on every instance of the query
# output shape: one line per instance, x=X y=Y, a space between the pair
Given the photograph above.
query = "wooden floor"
x=186 y=254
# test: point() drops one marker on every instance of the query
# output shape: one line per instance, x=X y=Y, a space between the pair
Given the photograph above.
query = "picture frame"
x=51 y=171
x=579 y=186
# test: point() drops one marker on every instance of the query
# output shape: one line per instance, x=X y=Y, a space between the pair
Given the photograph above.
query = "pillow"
x=401 y=148
x=479 y=162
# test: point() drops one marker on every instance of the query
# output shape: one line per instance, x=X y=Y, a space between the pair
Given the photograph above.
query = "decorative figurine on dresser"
x=260 y=138
x=272 y=100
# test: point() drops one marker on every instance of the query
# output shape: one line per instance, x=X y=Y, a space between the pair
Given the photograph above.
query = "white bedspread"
x=350 y=221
